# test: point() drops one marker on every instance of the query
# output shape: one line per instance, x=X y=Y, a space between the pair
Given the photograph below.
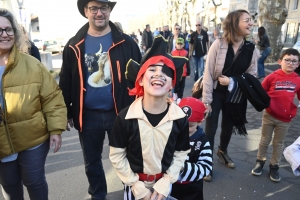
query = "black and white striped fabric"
x=236 y=94
x=199 y=161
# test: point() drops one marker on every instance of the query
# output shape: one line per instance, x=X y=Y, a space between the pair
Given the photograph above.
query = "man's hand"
x=224 y=80
x=70 y=122
x=148 y=196
x=144 y=47
x=55 y=139
x=157 y=196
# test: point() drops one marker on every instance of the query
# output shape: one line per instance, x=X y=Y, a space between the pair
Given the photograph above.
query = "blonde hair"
x=231 y=29
x=20 y=38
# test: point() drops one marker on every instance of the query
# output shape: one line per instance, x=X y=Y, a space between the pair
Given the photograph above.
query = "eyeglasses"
x=247 y=20
x=198 y=25
x=293 y=62
x=179 y=43
x=94 y=9
x=9 y=31
x=178 y=29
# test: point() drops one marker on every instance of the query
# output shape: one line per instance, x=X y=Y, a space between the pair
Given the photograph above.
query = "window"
x=245 y=2
x=238 y=1
x=291 y=33
x=295 y=5
x=298 y=35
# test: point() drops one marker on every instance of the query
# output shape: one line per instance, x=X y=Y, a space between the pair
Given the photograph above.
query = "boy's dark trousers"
x=190 y=191
x=180 y=87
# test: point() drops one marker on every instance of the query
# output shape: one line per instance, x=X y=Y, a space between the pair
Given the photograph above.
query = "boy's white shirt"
x=292 y=155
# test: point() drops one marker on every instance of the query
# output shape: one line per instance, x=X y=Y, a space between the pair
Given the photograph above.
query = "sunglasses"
x=179 y=43
x=178 y=29
x=198 y=25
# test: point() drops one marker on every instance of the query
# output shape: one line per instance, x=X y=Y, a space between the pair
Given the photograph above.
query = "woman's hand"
x=224 y=80
x=55 y=139
x=208 y=110
x=157 y=196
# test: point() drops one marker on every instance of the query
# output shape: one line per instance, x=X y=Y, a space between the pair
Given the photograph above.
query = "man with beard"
x=94 y=86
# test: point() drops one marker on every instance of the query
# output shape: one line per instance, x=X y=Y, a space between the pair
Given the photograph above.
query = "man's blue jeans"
x=95 y=124
x=199 y=65
x=260 y=62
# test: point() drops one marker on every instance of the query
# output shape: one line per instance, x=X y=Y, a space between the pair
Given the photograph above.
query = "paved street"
x=67 y=181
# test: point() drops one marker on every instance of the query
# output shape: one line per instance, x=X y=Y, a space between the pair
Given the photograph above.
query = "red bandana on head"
x=139 y=90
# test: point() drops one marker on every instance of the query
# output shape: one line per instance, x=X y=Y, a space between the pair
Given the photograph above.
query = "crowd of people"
x=131 y=88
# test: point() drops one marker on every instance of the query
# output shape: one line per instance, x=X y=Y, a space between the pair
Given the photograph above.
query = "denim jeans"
x=95 y=125
x=211 y=123
x=280 y=128
x=260 y=62
x=199 y=65
x=28 y=169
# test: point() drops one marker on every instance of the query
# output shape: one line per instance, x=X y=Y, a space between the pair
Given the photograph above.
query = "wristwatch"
x=207 y=104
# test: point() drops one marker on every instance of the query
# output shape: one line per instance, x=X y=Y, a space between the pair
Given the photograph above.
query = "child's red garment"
x=281 y=88
x=183 y=53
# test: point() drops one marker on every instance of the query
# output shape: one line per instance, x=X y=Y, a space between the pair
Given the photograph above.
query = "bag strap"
x=234 y=58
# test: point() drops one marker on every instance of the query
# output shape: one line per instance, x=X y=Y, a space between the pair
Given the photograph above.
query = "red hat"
x=193 y=108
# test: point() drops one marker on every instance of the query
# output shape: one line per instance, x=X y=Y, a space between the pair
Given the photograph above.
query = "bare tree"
x=216 y=3
x=272 y=15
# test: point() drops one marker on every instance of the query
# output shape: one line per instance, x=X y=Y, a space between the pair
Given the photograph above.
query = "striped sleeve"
x=203 y=167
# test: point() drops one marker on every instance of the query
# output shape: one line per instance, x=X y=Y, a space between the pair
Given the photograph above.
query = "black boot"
x=274 y=174
x=257 y=170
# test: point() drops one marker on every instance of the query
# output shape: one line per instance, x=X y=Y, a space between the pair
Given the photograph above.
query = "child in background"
x=179 y=51
x=149 y=141
x=281 y=86
x=199 y=161
x=292 y=155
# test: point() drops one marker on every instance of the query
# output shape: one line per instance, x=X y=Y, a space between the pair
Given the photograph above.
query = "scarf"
x=236 y=103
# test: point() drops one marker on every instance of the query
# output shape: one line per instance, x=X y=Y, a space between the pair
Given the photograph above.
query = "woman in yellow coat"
x=33 y=115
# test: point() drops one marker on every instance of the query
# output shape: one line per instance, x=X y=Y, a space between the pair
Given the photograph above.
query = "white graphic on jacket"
x=198 y=145
x=98 y=68
x=289 y=86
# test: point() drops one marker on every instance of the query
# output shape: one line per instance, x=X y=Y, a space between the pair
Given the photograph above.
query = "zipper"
x=5 y=121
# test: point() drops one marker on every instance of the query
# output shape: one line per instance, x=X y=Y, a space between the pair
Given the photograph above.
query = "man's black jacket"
x=72 y=75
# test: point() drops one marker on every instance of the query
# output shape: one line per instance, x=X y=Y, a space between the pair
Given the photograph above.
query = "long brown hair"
x=20 y=39
x=231 y=28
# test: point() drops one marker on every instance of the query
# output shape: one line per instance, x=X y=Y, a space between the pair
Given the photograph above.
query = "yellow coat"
x=34 y=105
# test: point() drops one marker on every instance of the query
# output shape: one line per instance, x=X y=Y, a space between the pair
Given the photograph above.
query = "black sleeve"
x=136 y=56
x=206 y=37
x=182 y=142
x=65 y=81
x=34 y=51
x=192 y=38
x=118 y=136
x=262 y=41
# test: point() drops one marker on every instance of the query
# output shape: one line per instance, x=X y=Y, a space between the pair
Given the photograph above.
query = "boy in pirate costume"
x=198 y=163
x=150 y=138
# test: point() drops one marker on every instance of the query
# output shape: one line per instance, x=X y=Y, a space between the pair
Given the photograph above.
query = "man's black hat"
x=82 y=3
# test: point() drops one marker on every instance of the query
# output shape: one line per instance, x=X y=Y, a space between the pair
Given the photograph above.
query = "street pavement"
x=67 y=181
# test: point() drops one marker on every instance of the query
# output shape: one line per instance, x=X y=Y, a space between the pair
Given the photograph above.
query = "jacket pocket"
x=119 y=71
